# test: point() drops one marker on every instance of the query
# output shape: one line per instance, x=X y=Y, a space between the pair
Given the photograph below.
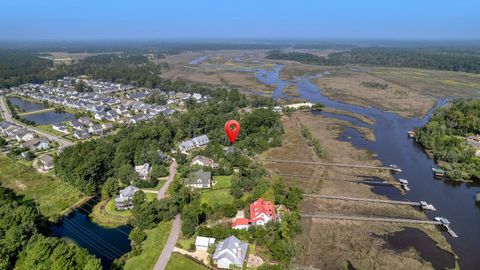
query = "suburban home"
x=96 y=129
x=107 y=126
x=76 y=125
x=81 y=134
x=196 y=142
x=199 y=179
x=36 y=144
x=204 y=161
x=143 y=170
x=203 y=243
x=261 y=212
x=24 y=135
x=60 y=128
x=124 y=200
x=230 y=252
x=47 y=162
x=85 y=121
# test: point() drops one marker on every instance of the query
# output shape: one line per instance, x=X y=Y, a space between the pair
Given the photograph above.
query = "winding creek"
x=392 y=146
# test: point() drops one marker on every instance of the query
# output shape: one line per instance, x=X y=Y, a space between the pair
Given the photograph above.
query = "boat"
x=438 y=172
x=411 y=134
x=395 y=168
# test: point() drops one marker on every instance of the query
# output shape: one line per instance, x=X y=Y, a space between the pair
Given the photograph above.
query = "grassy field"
x=212 y=197
x=180 y=262
x=151 y=197
x=52 y=195
x=222 y=182
x=152 y=247
x=328 y=244
x=49 y=129
x=105 y=214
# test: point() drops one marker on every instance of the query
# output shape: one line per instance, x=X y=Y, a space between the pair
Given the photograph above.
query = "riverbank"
x=329 y=244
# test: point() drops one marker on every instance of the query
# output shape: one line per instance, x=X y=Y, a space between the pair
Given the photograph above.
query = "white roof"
x=204 y=241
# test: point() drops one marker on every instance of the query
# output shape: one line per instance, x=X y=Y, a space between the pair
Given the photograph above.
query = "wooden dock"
x=370 y=182
x=362 y=199
x=394 y=169
x=381 y=219
x=419 y=204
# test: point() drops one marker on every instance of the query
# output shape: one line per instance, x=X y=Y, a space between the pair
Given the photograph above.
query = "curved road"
x=7 y=115
x=176 y=225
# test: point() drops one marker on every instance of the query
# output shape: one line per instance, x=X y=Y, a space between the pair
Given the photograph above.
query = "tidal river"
x=453 y=201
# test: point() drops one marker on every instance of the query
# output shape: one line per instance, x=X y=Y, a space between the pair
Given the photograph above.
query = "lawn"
x=151 y=197
x=212 y=197
x=49 y=129
x=52 y=195
x=222 y=182
x=180 y=262
x=152 y=247
x=105 y=214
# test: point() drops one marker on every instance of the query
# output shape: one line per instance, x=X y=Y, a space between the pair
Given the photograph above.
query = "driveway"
x=170 y=245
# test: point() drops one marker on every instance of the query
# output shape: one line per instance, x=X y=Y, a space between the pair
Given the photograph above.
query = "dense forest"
x=445 y=136
x=427 y=58
x=23 y=244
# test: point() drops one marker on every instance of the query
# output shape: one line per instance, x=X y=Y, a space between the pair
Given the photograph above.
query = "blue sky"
x=260 y=19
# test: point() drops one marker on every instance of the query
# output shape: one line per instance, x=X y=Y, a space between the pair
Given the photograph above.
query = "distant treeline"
x=445 y=136
x=21 y=67
x=466 y=60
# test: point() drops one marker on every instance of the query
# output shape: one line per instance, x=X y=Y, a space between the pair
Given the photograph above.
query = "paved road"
x=173 y=170
x=176 y=225
x=7 y=115
x=170 y=245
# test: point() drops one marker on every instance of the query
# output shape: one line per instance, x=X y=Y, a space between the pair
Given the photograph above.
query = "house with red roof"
x=261 y=212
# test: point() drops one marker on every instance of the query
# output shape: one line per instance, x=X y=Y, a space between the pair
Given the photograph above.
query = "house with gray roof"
x=230 y=252
x=46 y=161
x=196 y=142
x=199 y=179
x=124 y=200
x=81 y=134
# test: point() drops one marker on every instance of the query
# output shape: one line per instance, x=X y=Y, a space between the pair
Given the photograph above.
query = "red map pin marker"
x=232 y=133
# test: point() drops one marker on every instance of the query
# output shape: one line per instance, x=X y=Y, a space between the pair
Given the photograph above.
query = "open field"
x=152 y=247
x=220 y=196
x=105 y=214
x=326 y=244
x=180 y=262
x=222 y=181
x=52 y=195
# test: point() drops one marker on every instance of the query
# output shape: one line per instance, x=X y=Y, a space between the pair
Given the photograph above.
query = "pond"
x=45 y=118
x=27 y=106
x=105 y=243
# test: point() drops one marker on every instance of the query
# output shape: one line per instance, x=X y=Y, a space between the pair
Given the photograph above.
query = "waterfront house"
x=261 y=212
x=199 y=179
x=47 y=162
x=203 y=243
x=60 y=128
x=143 y=171
x=124 y=200
x=230 y=252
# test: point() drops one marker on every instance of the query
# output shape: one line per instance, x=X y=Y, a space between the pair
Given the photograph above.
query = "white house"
x=202 y=243
x=230 y=251
x=196 y=142
x=24 y=135
x=143 y=170
x=60 y=128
